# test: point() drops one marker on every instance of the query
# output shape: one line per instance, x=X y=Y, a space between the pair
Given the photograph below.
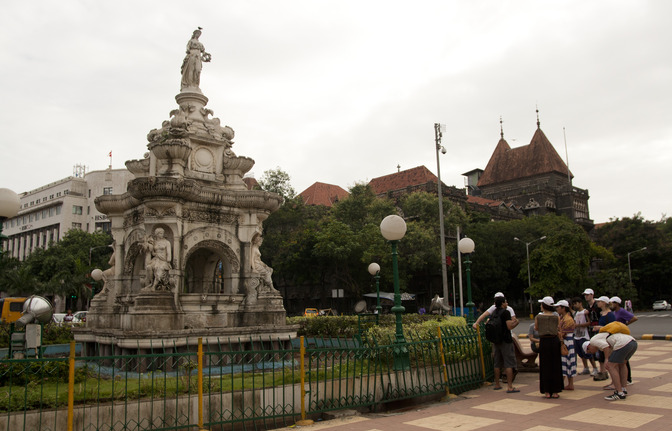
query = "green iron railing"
x=231 y=384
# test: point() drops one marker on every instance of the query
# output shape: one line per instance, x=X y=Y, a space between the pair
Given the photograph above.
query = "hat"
x=604 y=299
x=547 y=300
x=588 y=292
x=585 y=346
x=499 y=295
x=562 y=302
x=615 y=299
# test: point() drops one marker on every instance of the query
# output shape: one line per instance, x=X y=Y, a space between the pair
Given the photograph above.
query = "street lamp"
x=629 y=271
x=374 y=270
x=529 y=278
x=438 y=133
x=97 y=275
x=9 y=207
x=467 y=246
x=393 y=228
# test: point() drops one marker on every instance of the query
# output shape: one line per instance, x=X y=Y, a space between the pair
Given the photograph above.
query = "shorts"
x=622 y=355
x=504 y=355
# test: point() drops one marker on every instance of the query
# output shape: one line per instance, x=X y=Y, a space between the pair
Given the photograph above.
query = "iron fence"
x=234 y=385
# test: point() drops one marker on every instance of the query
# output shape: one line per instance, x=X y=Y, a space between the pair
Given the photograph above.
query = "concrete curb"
x=656 y=337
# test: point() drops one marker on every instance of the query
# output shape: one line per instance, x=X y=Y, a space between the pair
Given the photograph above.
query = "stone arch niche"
x=211 y=267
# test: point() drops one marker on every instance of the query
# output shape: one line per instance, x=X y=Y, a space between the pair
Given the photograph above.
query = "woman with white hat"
x=566 y=333
x=550 y=365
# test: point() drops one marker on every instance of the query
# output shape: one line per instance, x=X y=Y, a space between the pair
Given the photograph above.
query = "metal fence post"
x=302 y=370
x=200 y=384
x=480 y=350
x=71 y=385
x=443 y=364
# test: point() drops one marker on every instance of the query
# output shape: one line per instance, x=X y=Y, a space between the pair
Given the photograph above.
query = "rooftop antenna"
x=569 y=177
x=398 y=168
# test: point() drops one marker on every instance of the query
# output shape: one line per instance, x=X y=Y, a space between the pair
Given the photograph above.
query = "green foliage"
x=277 y=181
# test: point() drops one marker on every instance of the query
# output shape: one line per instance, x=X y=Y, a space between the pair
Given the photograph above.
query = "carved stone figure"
x=192 y=63
x=159 y=255
x=258 y=266
x=108 y=274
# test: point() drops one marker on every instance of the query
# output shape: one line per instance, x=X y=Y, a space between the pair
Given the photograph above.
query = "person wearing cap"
x=550 y=365
x=624 y=316
x=593 y=310
x=606 y=316
x=492 y=309
x=504 y=354
x=566 y=334
x=619 y=348
x=581 y=335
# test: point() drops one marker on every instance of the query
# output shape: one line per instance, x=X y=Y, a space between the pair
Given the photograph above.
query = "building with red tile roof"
x=411 y=180
x=323 y=194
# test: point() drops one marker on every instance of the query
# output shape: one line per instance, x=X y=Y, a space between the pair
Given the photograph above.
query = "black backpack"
x=494 y=330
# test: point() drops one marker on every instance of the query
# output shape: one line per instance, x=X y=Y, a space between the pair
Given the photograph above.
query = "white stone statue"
x=158 y=258
x=259 y=266
x=192 y=63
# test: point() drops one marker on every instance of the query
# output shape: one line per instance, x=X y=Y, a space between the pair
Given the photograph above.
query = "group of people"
x=562 y=332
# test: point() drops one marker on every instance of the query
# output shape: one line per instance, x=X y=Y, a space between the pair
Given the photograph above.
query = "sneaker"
x=585 y=371
x=601 y=376
x=615 y=397
x=629 y=382
x=594 y=373
x=625 y=391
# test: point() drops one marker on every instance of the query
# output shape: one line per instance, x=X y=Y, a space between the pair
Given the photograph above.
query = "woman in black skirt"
x=550 y=363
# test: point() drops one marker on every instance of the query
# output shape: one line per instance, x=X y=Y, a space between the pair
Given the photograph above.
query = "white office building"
x=48 y=212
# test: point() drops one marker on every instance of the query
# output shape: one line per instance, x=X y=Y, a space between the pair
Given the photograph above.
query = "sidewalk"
x=647 y=407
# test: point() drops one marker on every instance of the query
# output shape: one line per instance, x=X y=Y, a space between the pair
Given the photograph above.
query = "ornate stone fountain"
x=187 y=231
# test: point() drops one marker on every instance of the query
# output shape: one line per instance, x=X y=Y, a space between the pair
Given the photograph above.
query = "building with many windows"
x=48 y=212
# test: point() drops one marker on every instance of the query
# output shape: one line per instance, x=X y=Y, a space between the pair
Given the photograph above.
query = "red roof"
x=483 y=201
x=508 y=164
x=323 y=194
x=401 y=180
x=250 y=182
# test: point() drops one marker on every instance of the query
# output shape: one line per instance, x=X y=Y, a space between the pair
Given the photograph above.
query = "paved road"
x=648 y=406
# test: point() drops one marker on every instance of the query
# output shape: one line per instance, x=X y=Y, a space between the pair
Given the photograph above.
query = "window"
x=77 y=226
x=58 y=210
x=37 y=215
x=76 y=209
x=51 y=212
x=89 y=192
x=44 y=213
x=88 y=210
x=66 y=191
x=32 y=203
x=58 y=194
x=51 y=196
x=30 y=218
x=44 y=199
x=107 y=190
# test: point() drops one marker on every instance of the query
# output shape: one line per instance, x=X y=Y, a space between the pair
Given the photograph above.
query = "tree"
x=277 y=181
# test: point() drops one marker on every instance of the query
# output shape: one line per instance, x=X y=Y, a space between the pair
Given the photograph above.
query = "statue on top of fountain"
x=158 y=258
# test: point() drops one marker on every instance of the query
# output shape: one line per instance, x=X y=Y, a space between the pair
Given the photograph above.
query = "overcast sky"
x=344 y=91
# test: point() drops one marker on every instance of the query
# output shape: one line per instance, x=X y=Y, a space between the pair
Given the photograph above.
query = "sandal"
x=608 y=388
x=512 y=391
x=554 y=396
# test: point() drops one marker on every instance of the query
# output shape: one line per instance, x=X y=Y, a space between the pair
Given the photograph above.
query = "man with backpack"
x=498 y=332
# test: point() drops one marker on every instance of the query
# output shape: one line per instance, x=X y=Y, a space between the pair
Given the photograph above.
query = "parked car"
x=79 y=317
x=57 y=319
x=310 y=312
x=662 y=305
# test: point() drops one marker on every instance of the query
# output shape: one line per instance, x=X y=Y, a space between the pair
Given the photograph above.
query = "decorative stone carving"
x=158 y=261
x=259 y=267
x=193 y=62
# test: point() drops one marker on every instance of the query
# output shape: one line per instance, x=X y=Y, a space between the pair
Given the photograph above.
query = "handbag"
x=564 y=351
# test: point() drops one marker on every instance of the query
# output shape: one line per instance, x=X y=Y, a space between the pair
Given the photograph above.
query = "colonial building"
x=413 y=180
x=48 y=212
x=323 y=194
x=533 y=178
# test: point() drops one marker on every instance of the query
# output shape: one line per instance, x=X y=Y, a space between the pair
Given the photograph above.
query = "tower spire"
x=538 y=122
x=501 y=127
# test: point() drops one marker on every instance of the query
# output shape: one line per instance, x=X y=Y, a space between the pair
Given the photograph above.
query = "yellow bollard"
x=445 y=368
x=71 y=385
x=480 y=350
x=199 y=355
x=302 y=367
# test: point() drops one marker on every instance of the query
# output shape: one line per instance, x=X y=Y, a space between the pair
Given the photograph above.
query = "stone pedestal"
x=154 y=310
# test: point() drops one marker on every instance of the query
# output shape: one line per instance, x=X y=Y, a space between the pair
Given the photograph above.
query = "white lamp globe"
x=374 y=268
x=97 y=274
x=9 y=203
x=466 y=245
x=393 y=228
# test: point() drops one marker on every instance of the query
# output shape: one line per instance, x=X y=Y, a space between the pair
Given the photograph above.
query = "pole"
x=379 y=308
x=459 y=271
x=470 y=303
x=401 y=358
x=529 y=277
x=629 y=270
x=444 y=271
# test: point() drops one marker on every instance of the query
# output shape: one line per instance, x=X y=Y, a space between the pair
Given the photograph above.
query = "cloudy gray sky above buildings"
x=344 y=91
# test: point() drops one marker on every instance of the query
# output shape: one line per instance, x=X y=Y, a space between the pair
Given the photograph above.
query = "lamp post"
x=438 y=133
x=467 y=246
x=629 y=270
x=529 y=277
x=374 y=270
x=9 y=207
x=393 y=228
